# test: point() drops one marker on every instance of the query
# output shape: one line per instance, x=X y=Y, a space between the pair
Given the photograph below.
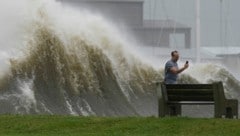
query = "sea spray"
x=85 y=69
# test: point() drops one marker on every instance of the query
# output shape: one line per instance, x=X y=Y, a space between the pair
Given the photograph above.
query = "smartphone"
x=186 y=62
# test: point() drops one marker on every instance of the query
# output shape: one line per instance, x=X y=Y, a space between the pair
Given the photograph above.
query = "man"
x=172 y=70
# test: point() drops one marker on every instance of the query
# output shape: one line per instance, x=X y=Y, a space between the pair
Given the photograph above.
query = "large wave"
x=75 y=62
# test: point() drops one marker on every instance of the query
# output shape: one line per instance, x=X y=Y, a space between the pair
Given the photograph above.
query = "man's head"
x=175 y=56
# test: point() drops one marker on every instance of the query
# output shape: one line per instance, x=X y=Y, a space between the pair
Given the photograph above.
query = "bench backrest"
x=188 y=92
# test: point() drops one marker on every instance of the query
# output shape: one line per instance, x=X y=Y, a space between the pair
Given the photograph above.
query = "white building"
x=155 y=33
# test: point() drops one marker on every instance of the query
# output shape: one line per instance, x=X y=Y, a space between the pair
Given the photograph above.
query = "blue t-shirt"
x=170 y=78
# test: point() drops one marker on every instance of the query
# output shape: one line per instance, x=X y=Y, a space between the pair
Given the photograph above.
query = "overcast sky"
x=183 y=11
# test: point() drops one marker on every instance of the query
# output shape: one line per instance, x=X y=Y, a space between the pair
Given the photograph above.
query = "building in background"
x=158 y=33
x=129 y=13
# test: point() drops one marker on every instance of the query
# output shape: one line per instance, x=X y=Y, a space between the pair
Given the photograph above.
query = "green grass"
x=46 y=125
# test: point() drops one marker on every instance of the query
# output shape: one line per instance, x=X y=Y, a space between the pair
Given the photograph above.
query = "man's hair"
x=173 y=52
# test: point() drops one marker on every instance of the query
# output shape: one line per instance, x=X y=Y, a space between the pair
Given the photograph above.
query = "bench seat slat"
x=187 y=86
x=191 y=102
x=190 y=89
x=190 y=98
x=190 y=92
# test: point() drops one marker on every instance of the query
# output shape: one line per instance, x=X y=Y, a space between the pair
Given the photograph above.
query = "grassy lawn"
x=46 y=125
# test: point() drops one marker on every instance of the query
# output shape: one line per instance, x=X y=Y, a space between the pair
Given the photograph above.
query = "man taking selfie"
x=172 y=70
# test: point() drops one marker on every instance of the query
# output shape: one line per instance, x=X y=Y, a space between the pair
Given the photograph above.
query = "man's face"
x=175 y=56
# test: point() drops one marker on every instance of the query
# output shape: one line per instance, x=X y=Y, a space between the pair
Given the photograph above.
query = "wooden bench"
x=172 y=96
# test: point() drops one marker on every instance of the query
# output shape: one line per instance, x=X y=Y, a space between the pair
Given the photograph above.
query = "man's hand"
x=175 y=70
x=186 y=65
